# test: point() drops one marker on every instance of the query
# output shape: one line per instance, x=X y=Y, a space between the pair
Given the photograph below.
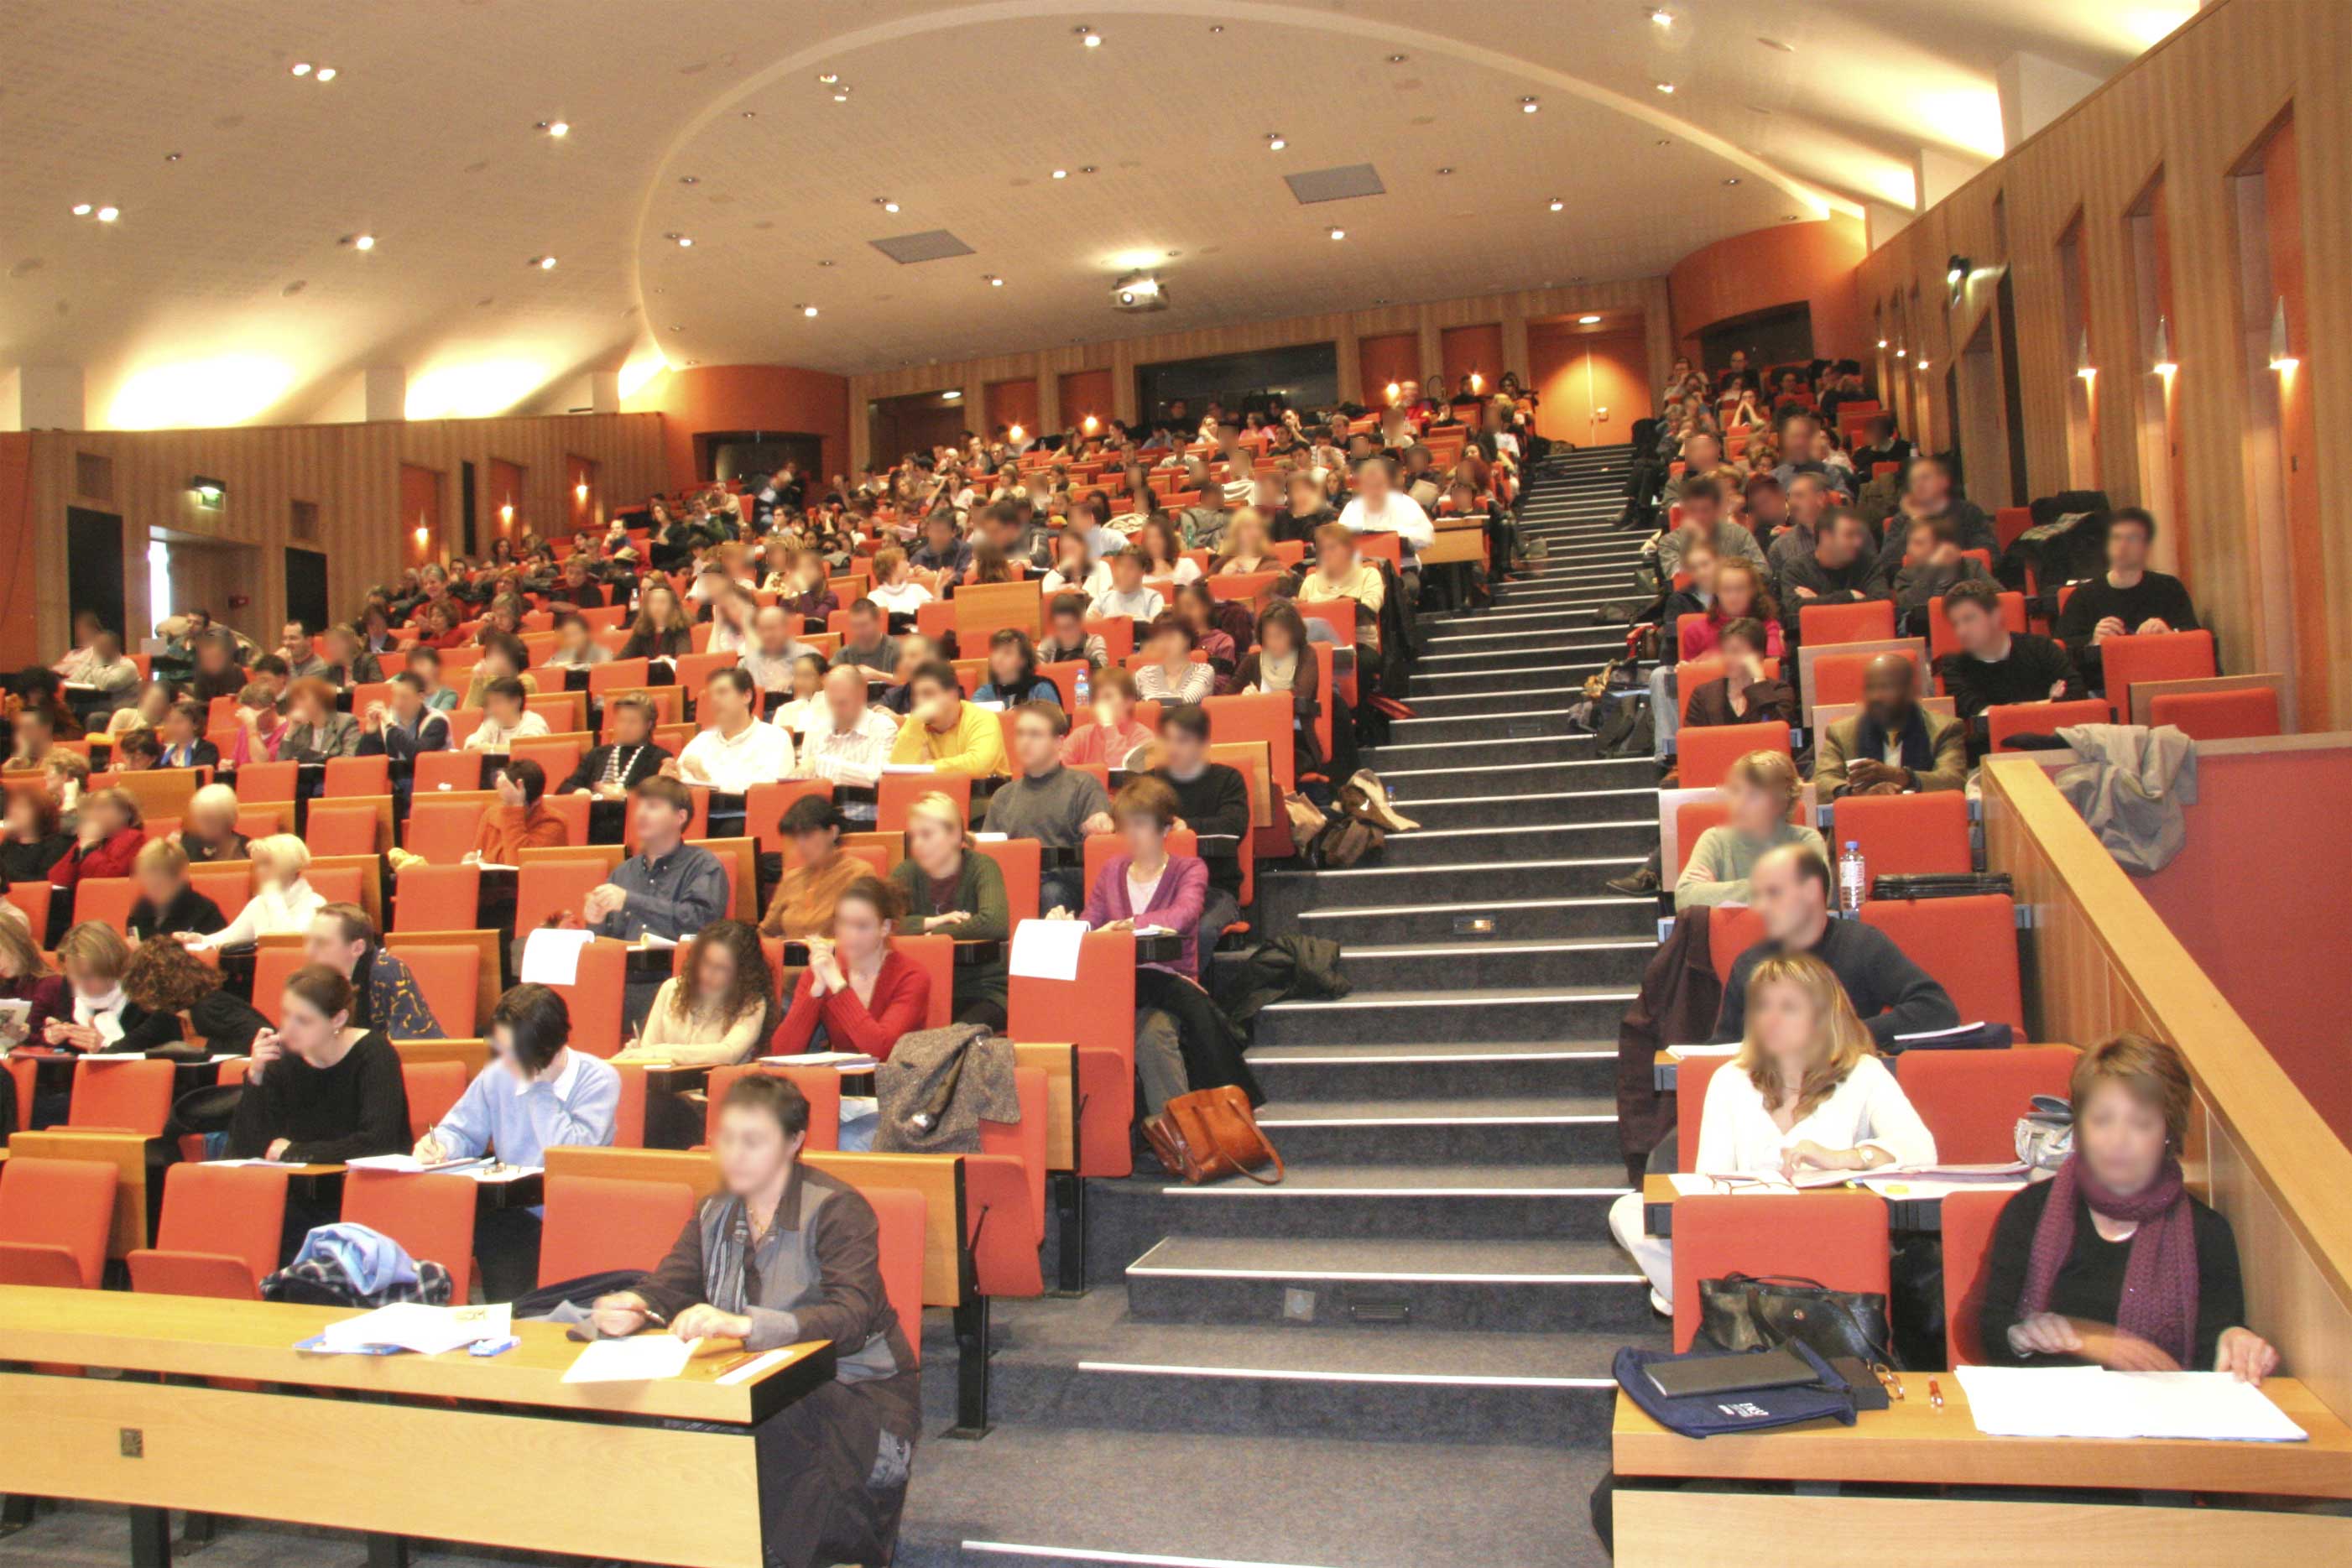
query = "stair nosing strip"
x=1252 y=1190
x=1488 y=866
x=1448 y=908
x=1396 y=1000
x=1489 y=1056
x=1595 y=1119
x=1122 y=1559
x=1302 y=1374
x=1379 y=1276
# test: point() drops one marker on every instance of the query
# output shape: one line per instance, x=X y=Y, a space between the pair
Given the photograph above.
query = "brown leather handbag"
x=1210 y=1134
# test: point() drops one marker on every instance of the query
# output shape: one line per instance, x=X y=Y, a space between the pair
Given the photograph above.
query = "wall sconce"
x=424 y=534
x=506 y=514
x=1956 y=275
x=211 y=493
x=1090 y=424
x=2281 y=359
x=1017 y=434
x=2165 y=365
x=1396 y=392
x=1923 y=364
x=1882 y=342
x=2082 y=366
x=1902 y=353
x=580 y=492
x=1477 y=384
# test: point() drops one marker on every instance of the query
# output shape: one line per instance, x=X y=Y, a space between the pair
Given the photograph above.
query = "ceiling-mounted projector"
x=1138 y=292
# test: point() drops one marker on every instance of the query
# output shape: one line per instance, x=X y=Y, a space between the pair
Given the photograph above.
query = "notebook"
x=2093 y=1402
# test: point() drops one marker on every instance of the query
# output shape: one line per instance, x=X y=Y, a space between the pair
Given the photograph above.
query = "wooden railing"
x=2104 y=961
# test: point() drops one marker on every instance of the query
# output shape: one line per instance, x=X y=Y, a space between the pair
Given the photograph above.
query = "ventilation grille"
x=1335 y=184
x=931 y=245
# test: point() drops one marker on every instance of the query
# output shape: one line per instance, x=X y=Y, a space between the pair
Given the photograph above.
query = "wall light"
x=209 y=493
x=108 y=215
x=1882 y=342
x=423 y=536
x=1395 y=391
x=2282 y=358
x=580 y=492
x=2165 y=365
x=506 y=512
x=2082 y=366
x=1529 y=106
x=1586 y=321
x=1338 y=234
x=1016 y=434
x=1090 y=424
x=953 y=394
x=1477 y=384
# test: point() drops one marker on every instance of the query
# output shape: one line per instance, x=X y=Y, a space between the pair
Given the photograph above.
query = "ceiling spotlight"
x=685 y=242
x=1558 y=206
x=1529 y=106
x=1061 y=173
x=1586 y=321
x=825 y=264
x=689 y=179
x=1086 y=168
x=1664 y=87
x=750 y=114
x=995 y=282
x=1088 y=37
x=171 y=157
x=1661 y=16
x=1731 y=180
x=326 y=73
x=841 y=94
x=363 y=242
x=301 y=67
x=1274 y=141
x=1666 y=142
x=1338 y=234
x=558 y=127
x=808 y=311
x=1777 y=43
x=953 y=394
x=1398 y=60
x=828 y=77
x=886 y=203
x=82 y=209
x=544 y=262
x=108 y=215
x=1882 y=342
x=1902 y=353
x=1446 y=169
x=1217 y=28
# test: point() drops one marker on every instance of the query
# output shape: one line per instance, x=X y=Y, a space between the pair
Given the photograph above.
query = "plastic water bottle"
x=1085 y=689
x=1853 y=878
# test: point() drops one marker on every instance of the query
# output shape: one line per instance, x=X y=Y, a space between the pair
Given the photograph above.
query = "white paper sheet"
x=751 y=1369
x=552 y=957
x=640 y=1358
x=1688 y=1184
x=429 y=1331
x=1688 y=1053
x=1047 y=949
x=2093 y=1402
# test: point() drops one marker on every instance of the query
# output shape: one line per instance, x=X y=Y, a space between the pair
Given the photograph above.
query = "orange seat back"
x=453 y=769
x=1968 y=944
x=934 y=954
x=432 y=1216
x=1969 y=1221
x=1095 y=1012
x=1837 y=677
x=1024 y=1140
x=270 y=782
x=629 y=1112
x=1731 y=930
x=820 y=1086
x=1693 y=818
x=550 y=888
x=437 y=898
x=597 y=997
x=595 y=1225
x=1943 y=640
x=1841 y=1243
x=764 y=806
x=350 y=775
x=450 y=977
x=443 y=831
x=1019 y=862
x=105 y=899
x=1873 y=620
x=229 y=885
x=32 y=899
x=342 y=828
x=899 y=790
x=133 y=1094
x=1691 y=1078
x=2250 y=712
x=219 y=1234
x=2160 y=656
x=2042 y=718
x=55 y=1218
x=1905 y=835
x=272 y=966
x=1971 y=1099
x=899 y=1214
x=1705 y=756
x=432 y=1087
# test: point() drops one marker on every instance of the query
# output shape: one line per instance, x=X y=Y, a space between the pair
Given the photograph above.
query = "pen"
x=1935 y=1395
x=746 y=1359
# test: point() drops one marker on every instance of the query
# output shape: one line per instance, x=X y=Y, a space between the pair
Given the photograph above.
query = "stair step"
x=1544 y=841
x=1607 y=961
x=1444 y=1130
x=1569 y=675
x=1516 y=1012
x=1436 y=1286
x=1547 y=806
x=1354 y=1073
x=1448 y=772
x=1494 y=920
x=1363 y=885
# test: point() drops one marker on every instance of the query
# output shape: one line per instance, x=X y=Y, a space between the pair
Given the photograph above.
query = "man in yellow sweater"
x=946 y=731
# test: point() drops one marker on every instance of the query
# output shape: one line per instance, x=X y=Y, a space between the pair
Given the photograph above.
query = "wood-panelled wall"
x=350 y=473
x=2190 y=112
x=1510 y=312
x=2103 y=961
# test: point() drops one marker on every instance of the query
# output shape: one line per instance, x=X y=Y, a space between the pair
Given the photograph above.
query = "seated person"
x=661 y=629
x=1929 y=495
x=868 y=647
x=1012 y=677
x=208 y=828
x=1994 y=666
x=1702 y=518
x=504 y=658
x=897 y=590
x=1743 y=694
x=100 y=664
x=1808 y=1091
x=1789 y=890
x=507 y=718
x=848 y=742
x=404 y=725
x=610 y=771
x=98 y=1017
x=1283 y=662
x=520 y=820
x=107 y=839
x=1080 y=569
x=320 y=1089
x=1931 y=567
x=576 y=647
x=915 y=651
x=386 y=996
x=2127 y=600
x=775 y=653
x=1067 y=637
x=719 y=1007
x=185 y=1002
x=1056 y=805
x=182 y=735
x=1173 y=675
x=736 y=750
x=536 y=1093
x=26 y=977
x=1340 y=573
x=817 y=873
x=167 y=905
x=1114 y=735
x=33 y=842
x=668 y=888
x=1736 y=590
x=283 y=903
x=2112 y=1263
x=946 y=887
x=1128 y=594
x=780 y=1253
x=136 y=751
x=1893 y=745
x=1758 y=793
x=314 y=731
x=1213 y=801
x=425 y=664
x=802 y=693
x=865 y=995
x=1841 y=570
x=946 y=731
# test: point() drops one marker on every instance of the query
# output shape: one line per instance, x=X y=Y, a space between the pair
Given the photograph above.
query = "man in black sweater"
x=1995 y=665
x=2128 y=600
x=1212 y=800
x=1839 y=571
x=1790 y=889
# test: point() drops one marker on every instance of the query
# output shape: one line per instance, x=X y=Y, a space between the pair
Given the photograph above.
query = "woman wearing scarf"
x=2111 y=1262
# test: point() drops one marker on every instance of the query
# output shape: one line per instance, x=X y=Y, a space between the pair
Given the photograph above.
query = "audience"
x=1839 y=571
x=669 y=889
x=186 y=1003
x=945 y=886
x=608 y=772
x=283 y=903
x=942 y=729
x=719 y=1009
x=2127 y=600
x=320 y=1089
x=1047 y=800
x=107 y=839
x=167 y=903
x=386 y=996
x=1893 y=996
x=520 y=820
x=850 y=743
x=1212 y=803
x=736 y=751
x=817 y=874
x=1743 y=694
x=208 y=831
x=1893 y=745
x=861 y=991
x=506 y=718
x=1758 y=794
x=1995 y=666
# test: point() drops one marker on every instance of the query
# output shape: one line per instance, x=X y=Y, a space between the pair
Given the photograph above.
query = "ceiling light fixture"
x=171 y=157
x=994 y=281
x=1338 y=234
x=1731 y=179
x=558 y=129
x=1398 y=60
x=1664 y=87
x=1274 y=141
x=2082 y=366
x=841 y=94
x=544 y=262
x=829 y=77
x=1446 y=169
x=82 y=209
x=324 y=73
x=1777 y=43
x=2282 y=357
x=689 y=179
x=953 y=394
x=809 y=310
x=1882 y=342
x=301 y=67
x=1529 y=106
x=1086 y=168
x=825 y=264
x=886 y=203
x=1558 y=206
x=1661 y=16
x=363 y=242
x=1588 y=320
x=1061 y=173
x=1087 y=35
x=685 y=242
x=108 y=215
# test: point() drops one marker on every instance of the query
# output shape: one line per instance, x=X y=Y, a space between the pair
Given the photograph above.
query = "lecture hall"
x=758 y=814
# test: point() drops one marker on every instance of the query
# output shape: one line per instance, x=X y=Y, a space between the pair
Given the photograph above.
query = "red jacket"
x=107 y=857
x=902 y=1000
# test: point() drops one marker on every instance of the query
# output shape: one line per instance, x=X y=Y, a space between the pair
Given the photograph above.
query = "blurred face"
x=1701 y=452
x=844 y=698
x=1144 y=837
x=1887 y=691
x=89 y=979
x=505 y=711
x=1928 y=485
x=1781 y=1015
x=510 y=791
x=659 y=826
x=714 y=972
x=1979 y=631
x=156 y=885
x=1034 y=745
x=1004 y=663
x=1754 y=811
x=1372 y=484
x=816 y=847
x=1704 y=570
x=1127 y=571
x=866 y=627
x=1169 y=649
x=1185 y=751
x=753 y=1153
x=2127 y=546
x=858 y=932
x=1790 y=904
x=726 y=704
x=305 y=1029
x=1843 y=542
x=295 y=640
x=2120 y=1137
x=933 y=844
x=324 y=944
x=176 y=727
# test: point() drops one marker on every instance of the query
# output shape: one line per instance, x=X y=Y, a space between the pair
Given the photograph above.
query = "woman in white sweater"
x=283 y=900
x=1806 y=1093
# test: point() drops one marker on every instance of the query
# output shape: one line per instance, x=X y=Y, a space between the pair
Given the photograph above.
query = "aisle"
x=1400 y=1355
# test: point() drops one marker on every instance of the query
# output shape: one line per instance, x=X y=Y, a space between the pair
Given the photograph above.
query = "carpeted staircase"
x=1401 y=1355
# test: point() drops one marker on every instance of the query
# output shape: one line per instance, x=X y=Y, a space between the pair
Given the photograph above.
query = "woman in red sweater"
x=864 y=994
x=107 y=840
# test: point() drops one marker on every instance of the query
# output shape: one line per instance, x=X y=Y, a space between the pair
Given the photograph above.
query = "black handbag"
x=1748 y=1312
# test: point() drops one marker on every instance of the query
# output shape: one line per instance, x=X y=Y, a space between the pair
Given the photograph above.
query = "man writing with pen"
x=782 y=1254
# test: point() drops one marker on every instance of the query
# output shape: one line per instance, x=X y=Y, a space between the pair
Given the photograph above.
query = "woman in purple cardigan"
x=1182 y=1040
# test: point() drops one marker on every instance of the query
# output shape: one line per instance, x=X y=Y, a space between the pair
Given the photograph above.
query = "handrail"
x=2292 y=1153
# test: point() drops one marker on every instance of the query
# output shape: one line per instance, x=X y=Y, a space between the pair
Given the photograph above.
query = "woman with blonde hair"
x=950 y=889
x=1806 y=1093
x=1249 y=546
x=283 y=903
x=26 y=977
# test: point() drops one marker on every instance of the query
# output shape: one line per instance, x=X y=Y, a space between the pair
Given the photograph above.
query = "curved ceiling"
x=227 y=291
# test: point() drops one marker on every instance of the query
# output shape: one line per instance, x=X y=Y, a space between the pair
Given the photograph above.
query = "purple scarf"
x=2160 y=1301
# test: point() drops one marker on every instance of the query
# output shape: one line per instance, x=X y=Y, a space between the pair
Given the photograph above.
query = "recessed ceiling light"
x=1731 y=180
x=1586 y=321
x=1061 y=173
x=301 y=67
x=82 y=209
x=1558 y=206
x=1398 y=59
x=1777 y=43
x=363 y=242
x=886 y=203
x=808 y=309
x=325 y=73
x=1446 y=169
x=1666 y=142
x=953 y=394
x=841 y=94
x=171 y=157
x=1664 y=87
x=750 y=114
x=825 y=264
x=689 y=179
x=1661 y=16
x=1529 y=106
x=1338 y=234
x=1882 y=342
x=1088 y=37
x=544 y=262
x=108 y=215
x=1274 y=141
x=829 y=77
x=1218 y=27
x=1787 y=217
x=1086 y=168
x=685 y=242
x=558 y=127
x=995 y=282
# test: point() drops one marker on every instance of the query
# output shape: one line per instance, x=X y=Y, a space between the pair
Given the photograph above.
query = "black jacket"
x=402 y=744
x=641 y=766
x=1892 y=995
x=188 y=910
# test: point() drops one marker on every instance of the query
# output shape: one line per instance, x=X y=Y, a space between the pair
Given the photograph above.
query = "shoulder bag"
x=1210 y=1133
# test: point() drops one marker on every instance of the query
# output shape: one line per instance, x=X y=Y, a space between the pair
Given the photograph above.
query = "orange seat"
x=596 y=996
x=1971 y=1099
x=899 y=790
x=131 y=1094
x=1873 y=620
x=432 y=1216
x=2008 y=522
x=1019 y=860
x=1731 y=930
x=764 y=806
x=595 y=1225
x=2160 y=656
x=1969 y=1221
x=272 y=966
x=820 y=1086
x=1837 y=677
x=450 y=977
x=1968 y=944
x=556 y=755
x=2247 y=712
x=1118 y=632
x=1693 y=818
x=1905 y=835
x=436 y=898
x=1691 y=1078
x=614 y=674
x=32 y=899
x=228 y=883
x=350 y=775
x=55 y=1218
x=267 y=781
x=899 y=1214
x=1024 y=1141
x=1267 y=718
x=546 y=889
x=934 y=954
x=1096 y=1012
x=439 y=770
x=432 y=1087
x=342 y=828
x=1943 y=640
x=219 y=1235
x=629 y=1111
x=1704 y=756
x=2042 y=718
x=1842 y=1244
x=443 y=831
x=105 y=899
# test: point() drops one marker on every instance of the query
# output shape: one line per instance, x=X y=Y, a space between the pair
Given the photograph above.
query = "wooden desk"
x=1902 y=1214
x=1914 y=1446
x=425 y=1422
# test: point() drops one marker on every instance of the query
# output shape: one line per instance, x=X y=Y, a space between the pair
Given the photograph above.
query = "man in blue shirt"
x=669 y=889
x=537 y=1093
